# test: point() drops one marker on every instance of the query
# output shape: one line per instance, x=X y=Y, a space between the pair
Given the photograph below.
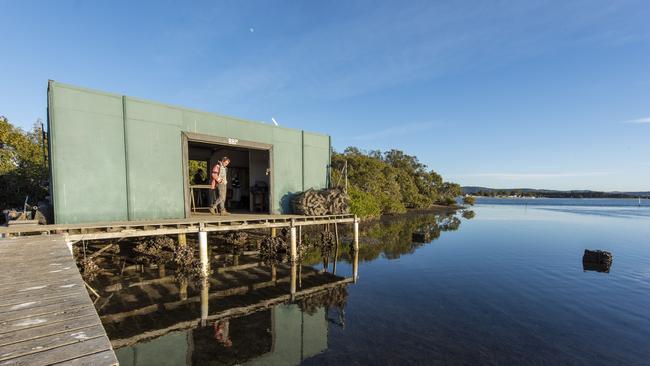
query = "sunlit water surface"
x=503 y=288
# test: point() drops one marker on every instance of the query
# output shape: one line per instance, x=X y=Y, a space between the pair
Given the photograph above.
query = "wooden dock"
x=46 y=314
x=194 y=224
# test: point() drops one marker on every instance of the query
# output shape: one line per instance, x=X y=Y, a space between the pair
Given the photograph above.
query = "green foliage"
x=392 y=236
x=194 y=166
x=391 y=180
x=23 y=170
x=364 y=204
x=469 y=200
x=391 y=205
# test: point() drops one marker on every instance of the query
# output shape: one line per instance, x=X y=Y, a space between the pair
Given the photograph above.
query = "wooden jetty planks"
x=41 y=344
x=124 y=229
x=24 y=335
x=17 y=299
x=100 y=358
x=46 y=314
x=66 y=353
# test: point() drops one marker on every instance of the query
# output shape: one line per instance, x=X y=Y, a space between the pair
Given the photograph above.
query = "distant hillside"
x=529 y=192
x=636 y=194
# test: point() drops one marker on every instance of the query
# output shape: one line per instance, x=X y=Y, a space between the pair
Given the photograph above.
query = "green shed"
x=119 y=158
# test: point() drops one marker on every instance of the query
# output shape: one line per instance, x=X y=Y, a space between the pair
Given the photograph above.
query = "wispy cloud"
x=518 y=176
x=375 y=47
x=644 y=120
x=402 y=129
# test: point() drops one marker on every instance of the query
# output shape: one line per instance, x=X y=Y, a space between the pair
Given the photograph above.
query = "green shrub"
x=364 y=204
x=23 y=171
x=469 y=200
x=391 y=204
x=392 y=181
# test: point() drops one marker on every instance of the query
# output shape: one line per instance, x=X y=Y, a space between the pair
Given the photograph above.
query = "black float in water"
x=597 y=260
x=421 y=237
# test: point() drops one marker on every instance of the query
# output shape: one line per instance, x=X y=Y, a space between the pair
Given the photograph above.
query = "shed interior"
x=248 y=177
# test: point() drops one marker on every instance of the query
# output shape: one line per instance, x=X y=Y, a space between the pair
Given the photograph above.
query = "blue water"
x=506 y=287
x=587 y=202
x=585 y=206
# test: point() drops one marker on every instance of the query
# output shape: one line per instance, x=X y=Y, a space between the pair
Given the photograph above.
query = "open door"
x=249 y=187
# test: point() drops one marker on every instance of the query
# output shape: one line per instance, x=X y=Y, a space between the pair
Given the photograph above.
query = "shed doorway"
x=249 y=187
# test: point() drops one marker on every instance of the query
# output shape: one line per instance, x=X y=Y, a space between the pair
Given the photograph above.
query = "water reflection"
x=247 y=311
x=282 y=335
x=394 y=236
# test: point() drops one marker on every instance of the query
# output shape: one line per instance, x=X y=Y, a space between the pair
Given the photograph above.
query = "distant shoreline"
x=564 y=202
x=564 y=197
x=477 y=191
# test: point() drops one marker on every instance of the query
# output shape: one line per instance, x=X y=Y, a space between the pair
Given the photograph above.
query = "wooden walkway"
x=46 y=314
x=199 y=222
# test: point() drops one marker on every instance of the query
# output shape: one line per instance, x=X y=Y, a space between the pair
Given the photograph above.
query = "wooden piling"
x=294 y=275
x=203 y=252
x=336 y=250
x=294 y=249
x=355 y=266
x=356 y=233
x=182 y=239
x=205 y=300
x=182 y=290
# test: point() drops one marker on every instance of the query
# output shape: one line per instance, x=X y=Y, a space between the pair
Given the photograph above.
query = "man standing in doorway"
x=218 y=183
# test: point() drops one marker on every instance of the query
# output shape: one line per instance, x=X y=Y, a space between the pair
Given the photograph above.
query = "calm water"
x=505 y=287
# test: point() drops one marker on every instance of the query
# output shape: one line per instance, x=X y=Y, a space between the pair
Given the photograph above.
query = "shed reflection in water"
x=249 y=313
x=246 y=312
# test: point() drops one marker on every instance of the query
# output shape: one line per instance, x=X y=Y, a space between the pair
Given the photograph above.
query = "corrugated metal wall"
x=120 y=158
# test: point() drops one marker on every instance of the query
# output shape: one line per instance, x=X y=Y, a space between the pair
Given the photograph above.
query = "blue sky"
x=552 y=94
